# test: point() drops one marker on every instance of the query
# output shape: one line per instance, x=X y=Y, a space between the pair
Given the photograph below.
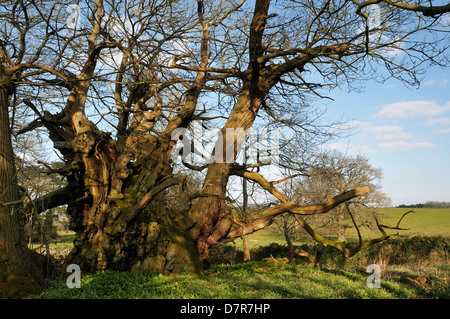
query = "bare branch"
x=54 y=199
x=136 y=209
x=245 y=226
x=398 y=223
x=430 y=11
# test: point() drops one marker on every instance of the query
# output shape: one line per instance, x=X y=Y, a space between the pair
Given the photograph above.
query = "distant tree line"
x=429 y=204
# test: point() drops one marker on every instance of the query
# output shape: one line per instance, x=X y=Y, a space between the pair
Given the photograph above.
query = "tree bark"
x=341 y=225
x=210 y=212
x=132 y=227
x=288 y=239
x=245 y=243
x=20 y=272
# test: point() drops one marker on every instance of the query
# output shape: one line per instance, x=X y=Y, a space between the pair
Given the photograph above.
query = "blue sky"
x=403 y=131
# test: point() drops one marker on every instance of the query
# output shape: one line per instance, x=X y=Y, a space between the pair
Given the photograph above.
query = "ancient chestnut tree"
x=116 y=83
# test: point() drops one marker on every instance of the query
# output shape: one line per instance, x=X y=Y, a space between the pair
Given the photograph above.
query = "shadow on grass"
x=255 y=280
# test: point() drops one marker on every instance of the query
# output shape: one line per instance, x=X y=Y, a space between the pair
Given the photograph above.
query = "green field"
x=423 y=222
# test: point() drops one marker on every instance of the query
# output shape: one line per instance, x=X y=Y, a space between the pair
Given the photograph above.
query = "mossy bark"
x=20 y=278
x=113 y=232
x=153 y=242
x=20 y=274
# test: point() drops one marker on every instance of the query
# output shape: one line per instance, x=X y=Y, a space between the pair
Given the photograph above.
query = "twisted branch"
x=244 y=226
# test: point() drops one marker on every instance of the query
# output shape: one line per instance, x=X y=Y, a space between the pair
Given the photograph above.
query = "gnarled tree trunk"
x=112 y=236
x=122 y=219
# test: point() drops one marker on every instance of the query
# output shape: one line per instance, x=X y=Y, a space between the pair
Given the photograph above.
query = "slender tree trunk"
x=20 y=275
x=341 y=224
x=287 y=236
x=245 y=244
x=246 y=248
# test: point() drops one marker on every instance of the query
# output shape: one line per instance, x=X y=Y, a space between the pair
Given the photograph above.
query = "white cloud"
x=443 y=82
x=393 y=138
x=445 y=121
x=388 y=132
x=351 y=125
x=444 y=20
x=440 y=121
x=408 y=109
x=349 y=149
x=403 y=145
x=380 y=138
x=382 y=132
x=443 y=131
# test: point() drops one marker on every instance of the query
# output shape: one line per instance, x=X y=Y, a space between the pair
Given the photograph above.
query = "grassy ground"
x=255 y=280
x=411 y=267
x=64 y=241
